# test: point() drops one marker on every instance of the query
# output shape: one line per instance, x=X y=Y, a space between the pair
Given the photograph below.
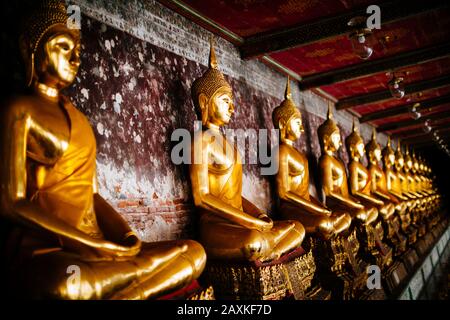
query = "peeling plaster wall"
x=139 y=60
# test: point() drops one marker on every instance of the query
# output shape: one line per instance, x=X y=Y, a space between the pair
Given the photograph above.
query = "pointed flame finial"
x=389 y=141
x=212 y=54
x=399 y=146
x=287 y=93
x=330 y=111
x=354 y=126
x=374 y=134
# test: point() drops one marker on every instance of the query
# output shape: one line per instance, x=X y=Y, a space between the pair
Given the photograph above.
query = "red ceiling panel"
x=249 y=17
x=407 y=34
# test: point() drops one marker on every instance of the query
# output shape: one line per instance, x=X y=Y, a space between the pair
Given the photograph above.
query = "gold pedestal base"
x=193 y=291
x=410 y=259
x=340 y=270
x=422 y=230
x=287 y=277
x=396 y=239
x=373 y=294
x=394 y=276
x=421 y=247
x=203 y=294
x=374 y=250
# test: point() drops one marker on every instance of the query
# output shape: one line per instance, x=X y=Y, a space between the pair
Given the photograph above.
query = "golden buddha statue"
x=426 y=185
x=292 y=180
x=430 y=201
x=334 y=177
x=393 y=184
x=410 y=173
x=378 y=178
x=360 y=180
x=400 y=170
x=361 y=188
x=231 y=227
x=391 y=222
x=49 y=193
x=421 y=207
x=412 y=202
x=337 y=197
x=416 y=176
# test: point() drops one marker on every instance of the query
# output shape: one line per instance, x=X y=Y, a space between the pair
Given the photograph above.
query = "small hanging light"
x=359 y=37
x=396 y=86
x=414 y=111
x=435 y=136
x=427 y=126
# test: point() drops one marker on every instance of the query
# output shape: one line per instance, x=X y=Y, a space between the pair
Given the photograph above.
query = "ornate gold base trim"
x=276 y=280
x=340 y=269
x=203 y=294
x=193 y=291
x=374 y=250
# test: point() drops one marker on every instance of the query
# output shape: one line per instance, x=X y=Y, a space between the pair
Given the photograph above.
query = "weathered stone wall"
x=139 y=60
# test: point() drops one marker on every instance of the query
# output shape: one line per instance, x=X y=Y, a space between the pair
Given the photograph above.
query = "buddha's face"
x=400 y=161
x=61 y=59
x=335 y=141
x=359 y=149
x=376 y=154
x=221 y=108
x=409 y=163
x=294 y=128
x=389 y=159
x=416 y=165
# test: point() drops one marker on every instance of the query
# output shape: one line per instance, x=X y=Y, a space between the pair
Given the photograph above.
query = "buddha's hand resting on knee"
x=267 y=222
x=104 y=250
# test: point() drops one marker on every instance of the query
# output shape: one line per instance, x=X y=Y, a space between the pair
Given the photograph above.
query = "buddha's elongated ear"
x=203 y=104
x=28 y=58
x=282 y=129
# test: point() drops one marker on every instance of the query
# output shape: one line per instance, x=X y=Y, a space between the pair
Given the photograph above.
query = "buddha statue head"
x=329 y=134
x=421 y=165
x=399 y=159
x=388 y=155
x=50 y=49
x=408 y=161
x=416 y=163
x=355 y=144
x=373 y=149
x=287 y=117
x=212 y=95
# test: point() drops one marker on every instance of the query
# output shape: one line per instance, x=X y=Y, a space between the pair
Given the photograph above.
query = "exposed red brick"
x=178 y=201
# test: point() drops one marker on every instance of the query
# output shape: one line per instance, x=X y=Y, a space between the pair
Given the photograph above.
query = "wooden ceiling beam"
x=371 y=67
x=384 y=95
x=287 y=38
x=398 y=110
x=427 y=137
x=418 y=132
x=408 y=123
